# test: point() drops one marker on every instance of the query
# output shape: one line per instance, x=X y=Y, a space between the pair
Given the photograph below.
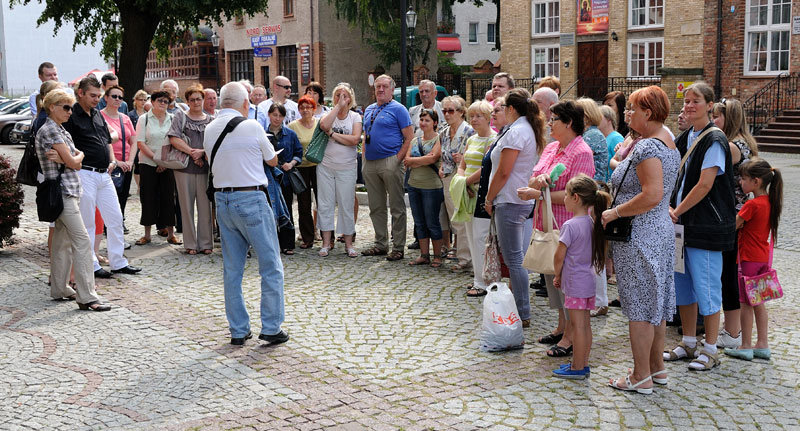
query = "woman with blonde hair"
x=72 y=246
x=336 y=174
x=453 y=138
x=594 y=138
x=729 y=116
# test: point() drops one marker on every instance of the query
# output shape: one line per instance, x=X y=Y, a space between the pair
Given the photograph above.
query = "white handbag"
x=542 y=248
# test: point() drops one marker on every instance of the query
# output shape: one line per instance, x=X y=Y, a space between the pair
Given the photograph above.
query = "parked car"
x=21 y=133
x=7 y=122
x=412 y=95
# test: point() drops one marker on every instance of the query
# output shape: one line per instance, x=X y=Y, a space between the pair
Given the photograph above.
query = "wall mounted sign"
x=265 y=40
x=592 y=17
x=264 y=52
x=305 y=64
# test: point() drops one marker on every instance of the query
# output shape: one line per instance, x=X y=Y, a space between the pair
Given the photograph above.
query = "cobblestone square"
x=374 y=345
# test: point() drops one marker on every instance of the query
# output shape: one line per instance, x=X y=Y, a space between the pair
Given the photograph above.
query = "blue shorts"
x=701 y=283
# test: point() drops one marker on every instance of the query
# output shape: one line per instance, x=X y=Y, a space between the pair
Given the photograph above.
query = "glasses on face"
x=115 y=96
x=554 y=118
x=163 y=100
x=285 y=87
x=305 y=106
x=67 y=108
x=195 y=99
x=448 y=111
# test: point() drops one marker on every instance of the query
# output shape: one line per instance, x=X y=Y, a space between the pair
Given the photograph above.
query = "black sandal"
x=475 y=292
x=558 y=351
x=422 y=260
x=551 y=338
x=288 y=252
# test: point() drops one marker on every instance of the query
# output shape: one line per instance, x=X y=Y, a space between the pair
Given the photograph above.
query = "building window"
x=288 y=7
x=645 y=57
x=490 y=33
x=287 y=64
x=241 y=65
x=646 y=13
x=545 y=61
x=767 y=36
x=473 y=32
x=545 y=17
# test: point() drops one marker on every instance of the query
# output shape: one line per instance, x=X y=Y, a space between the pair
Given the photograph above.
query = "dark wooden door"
x=593 y=69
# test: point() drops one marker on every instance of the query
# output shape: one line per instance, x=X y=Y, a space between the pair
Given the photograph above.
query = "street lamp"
x=411 y=23
x=115 y=23
x=215 y=44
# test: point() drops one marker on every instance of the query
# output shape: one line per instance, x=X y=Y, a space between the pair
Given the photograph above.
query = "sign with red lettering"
x=592 y=17
x=305 y=64
x=266 y=29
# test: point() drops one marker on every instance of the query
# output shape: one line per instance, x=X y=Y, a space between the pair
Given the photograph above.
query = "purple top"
x=577 y=275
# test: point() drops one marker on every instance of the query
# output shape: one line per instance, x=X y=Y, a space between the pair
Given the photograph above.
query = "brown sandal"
x=208 y=251
x=174 y=240
x=142 y=241
x=191 y=252
x=422 y=260
x=374 y=251
x=395 y=255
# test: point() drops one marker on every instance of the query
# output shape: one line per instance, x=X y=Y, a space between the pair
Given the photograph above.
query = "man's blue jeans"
x=245 y=219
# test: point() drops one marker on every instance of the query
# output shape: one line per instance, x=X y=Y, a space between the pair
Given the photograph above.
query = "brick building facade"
x=753 y=34
x=635 y=41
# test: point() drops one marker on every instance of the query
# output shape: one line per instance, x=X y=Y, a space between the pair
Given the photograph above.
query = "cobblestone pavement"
x=375 y=345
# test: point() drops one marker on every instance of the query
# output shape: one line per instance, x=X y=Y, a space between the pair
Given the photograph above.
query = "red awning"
x=448 y=44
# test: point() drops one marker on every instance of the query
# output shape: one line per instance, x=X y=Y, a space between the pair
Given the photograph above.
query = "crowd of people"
x=494 y=167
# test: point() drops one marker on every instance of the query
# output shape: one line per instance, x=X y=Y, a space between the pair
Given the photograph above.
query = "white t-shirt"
x=292 y=113
x=241 y=155
x=337 y=156
x=416 y=110
x=520 y=136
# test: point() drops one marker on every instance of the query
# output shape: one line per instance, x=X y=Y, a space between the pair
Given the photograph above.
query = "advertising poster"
x=592 y=17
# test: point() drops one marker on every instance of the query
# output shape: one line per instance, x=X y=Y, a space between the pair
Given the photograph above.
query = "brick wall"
x=733 y=81
x=515 y=37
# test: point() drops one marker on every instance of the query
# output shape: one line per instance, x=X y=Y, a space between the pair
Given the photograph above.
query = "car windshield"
x=7 y=103
x=16 y=109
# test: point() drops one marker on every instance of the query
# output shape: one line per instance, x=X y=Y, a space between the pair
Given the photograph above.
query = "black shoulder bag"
x=29 y=168
x=228 y=128
x=49 y=202
x=619 y=229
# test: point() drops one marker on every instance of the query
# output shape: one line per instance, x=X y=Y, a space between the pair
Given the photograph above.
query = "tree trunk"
x=138 y=30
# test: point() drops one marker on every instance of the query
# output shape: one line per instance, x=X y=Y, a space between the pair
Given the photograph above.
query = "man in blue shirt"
x=387 y=136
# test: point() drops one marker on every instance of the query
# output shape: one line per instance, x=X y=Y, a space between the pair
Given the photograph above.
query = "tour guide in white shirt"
x=244 y=216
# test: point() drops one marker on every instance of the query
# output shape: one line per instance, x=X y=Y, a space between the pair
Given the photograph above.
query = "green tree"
x=143 y=24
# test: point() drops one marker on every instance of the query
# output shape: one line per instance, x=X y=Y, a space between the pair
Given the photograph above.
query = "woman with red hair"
x=642 y=184
x=304 y=128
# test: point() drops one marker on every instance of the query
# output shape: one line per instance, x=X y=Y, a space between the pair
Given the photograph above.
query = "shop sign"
x=305 y=64
x=265 y=29
x=264 y=52
x=265 y=40
x=592 y=17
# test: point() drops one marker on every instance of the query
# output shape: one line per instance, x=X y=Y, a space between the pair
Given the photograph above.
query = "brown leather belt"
x=239 y=189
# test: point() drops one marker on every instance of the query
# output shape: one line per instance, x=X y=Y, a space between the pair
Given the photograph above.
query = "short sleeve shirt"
x=90 y=135
x=476 y=148
x=130 y=130
x=520 y=136
x=384 y=126
x=337 y=156
x=240 y=158
x=577 y=274
x=754 y=234
x=427 y=176
x=578 y=159
x=597 y=143
x=191 y=131
x=153 y=132
x=48 y=135
x=714 y=158
x=452 y=146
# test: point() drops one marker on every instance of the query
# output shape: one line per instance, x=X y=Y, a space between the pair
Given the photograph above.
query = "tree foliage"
x=142 y=24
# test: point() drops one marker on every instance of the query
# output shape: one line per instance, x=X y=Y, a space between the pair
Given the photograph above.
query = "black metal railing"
x=481 y=85
x=454 y=83
x=772 y=99
x=597 y=87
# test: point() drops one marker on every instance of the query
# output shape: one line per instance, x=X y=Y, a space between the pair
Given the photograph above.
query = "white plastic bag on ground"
x=502 y=327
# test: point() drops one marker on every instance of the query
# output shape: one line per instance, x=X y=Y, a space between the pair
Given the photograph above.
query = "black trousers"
x=730 y=279
x=157 y=195
x=304 y=214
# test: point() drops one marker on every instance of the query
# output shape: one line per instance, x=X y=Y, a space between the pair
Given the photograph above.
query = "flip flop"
x=558 y=351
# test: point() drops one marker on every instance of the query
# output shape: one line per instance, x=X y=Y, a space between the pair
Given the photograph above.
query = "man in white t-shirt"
x=244 y=215
x=427 y=95
x=281 y=90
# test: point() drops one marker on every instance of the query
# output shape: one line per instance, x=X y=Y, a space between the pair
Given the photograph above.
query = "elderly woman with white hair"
x=336 y=174
x=608 y=127
x=594 y=138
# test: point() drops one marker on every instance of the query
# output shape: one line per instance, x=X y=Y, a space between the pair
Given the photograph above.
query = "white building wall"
x=23 y=46
x=466 y=13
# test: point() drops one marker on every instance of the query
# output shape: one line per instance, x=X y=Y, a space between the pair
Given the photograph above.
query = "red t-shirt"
x=754 y=234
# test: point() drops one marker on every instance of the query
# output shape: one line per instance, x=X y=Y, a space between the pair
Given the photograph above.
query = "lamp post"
x=215 y=44
x=115 y=23
x=411 y=24
x=403 y=59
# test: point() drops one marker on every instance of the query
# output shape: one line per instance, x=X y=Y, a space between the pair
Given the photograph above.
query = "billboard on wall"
x=592 y=17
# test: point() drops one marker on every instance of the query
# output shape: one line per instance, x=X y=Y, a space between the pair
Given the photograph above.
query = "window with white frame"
x=545 y=17
x=490 y=33
x=545 y=61
x=473 y=32
x=645 y=57
x=646 y=13
x=767 y=26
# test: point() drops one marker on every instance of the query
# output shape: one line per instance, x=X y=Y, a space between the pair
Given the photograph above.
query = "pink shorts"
x=572 y=303
x=750 y=269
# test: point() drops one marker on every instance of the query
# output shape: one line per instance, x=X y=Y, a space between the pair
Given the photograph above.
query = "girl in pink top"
x=580 y=256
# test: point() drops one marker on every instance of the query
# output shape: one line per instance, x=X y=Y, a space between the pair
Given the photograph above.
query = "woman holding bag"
x=304 y=128
x=644 y=264
x=186 y=135
x=566 y=126
x=513 y=158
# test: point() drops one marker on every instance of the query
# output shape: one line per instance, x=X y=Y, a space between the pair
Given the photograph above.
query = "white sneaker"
x=726 y=341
